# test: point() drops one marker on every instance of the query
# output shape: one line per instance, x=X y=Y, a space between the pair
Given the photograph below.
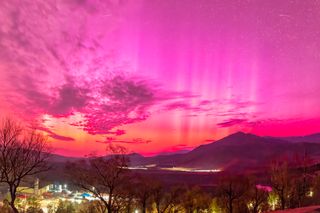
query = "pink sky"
x=158 y=76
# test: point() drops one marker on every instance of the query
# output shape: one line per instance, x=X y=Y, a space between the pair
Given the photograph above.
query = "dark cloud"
x=70 y=98
x=232 y=122
x=210 y=140
x=223 y=107
x=117 y=132
x=128 y=92
x=60 y=137
x=179 y=148
x=54 y=135
x=110 y=140
x=178 y=105
x=120 y=101
x=185 y=105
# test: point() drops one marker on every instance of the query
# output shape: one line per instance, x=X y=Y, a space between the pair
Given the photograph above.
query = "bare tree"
x=143 y=194
x=162 y=197
x=257 y=198
x=128 y=197
x=230 y=190
x=195 y=200
x=103 y=176
x=23 y=153
x=281 y=181
x=302 y=179
x=175 y=199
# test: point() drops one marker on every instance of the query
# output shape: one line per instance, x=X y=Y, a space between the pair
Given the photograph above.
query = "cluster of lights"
x=184 y=169
x=178 y=169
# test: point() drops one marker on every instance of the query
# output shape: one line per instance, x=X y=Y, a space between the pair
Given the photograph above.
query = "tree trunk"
x=144 y=207
x=299 y=200
x=14 y=209
x=190 y=210
x=109 y=209
x=158 y=207
x=129 y=206
x=283 y=202
x=110 y=201
x=13 y=198
x=230 y=206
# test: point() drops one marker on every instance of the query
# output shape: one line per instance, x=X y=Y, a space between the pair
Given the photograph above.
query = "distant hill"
x=182 y=151
x=314 y=138
x=235 y=152
x=62 y=159
x=238 y=151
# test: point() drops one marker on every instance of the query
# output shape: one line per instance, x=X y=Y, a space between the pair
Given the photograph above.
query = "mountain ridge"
x=236 y=151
